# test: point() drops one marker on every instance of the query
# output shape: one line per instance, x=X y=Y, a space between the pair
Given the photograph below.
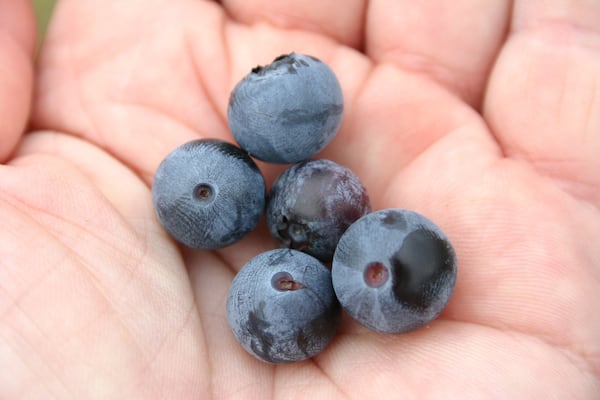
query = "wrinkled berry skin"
x=394 y=271
x=312 y=203
x=286 y=111
x=208 y=194
x=282 y=308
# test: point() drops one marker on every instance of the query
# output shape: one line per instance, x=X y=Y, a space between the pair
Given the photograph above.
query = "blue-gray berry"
x=281 y=306
x=286 y=111
x=394 y=270
x=208 y=194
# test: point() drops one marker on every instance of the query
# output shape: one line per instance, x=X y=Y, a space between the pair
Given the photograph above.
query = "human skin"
x=484 y=116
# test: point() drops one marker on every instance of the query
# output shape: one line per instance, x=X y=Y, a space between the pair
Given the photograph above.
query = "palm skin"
x=484 y=116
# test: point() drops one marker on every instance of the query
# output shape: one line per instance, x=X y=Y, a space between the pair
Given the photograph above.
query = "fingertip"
x=17 y=21
x=16 y=83
x=17 y=46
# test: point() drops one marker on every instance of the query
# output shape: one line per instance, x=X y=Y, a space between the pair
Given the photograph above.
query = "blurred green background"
x=43 y=10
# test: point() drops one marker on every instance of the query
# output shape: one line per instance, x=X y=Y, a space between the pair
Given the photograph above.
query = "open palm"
x=484 y=116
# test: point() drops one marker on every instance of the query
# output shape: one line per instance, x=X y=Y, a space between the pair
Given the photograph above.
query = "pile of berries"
x=392 y=270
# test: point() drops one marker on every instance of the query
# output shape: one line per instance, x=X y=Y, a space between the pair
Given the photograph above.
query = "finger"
x=343 y=23
x=17 y=42
x=16 y=20
x=452 y=43
x=543 y=101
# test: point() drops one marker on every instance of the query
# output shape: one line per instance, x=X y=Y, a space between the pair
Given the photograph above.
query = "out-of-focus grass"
x=43 y=10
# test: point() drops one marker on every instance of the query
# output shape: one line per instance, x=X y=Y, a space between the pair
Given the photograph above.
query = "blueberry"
x=208 y=194
x=312 y=203
x=286 y=111
x=282 y=308
x=394 y=270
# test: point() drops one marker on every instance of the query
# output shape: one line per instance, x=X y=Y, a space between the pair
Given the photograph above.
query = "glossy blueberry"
x=208 y=194
x=312 y=203
x=282 y=308
x=286 y=111
x=394 y=270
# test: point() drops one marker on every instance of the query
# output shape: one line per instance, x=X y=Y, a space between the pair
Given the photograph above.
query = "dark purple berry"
x=312 y=203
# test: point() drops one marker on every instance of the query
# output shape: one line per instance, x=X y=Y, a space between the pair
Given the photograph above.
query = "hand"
x=482 y=116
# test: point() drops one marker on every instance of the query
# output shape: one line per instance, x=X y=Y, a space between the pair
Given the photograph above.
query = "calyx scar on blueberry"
x=204 y=192
x=293 y=235
x=376 y=274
